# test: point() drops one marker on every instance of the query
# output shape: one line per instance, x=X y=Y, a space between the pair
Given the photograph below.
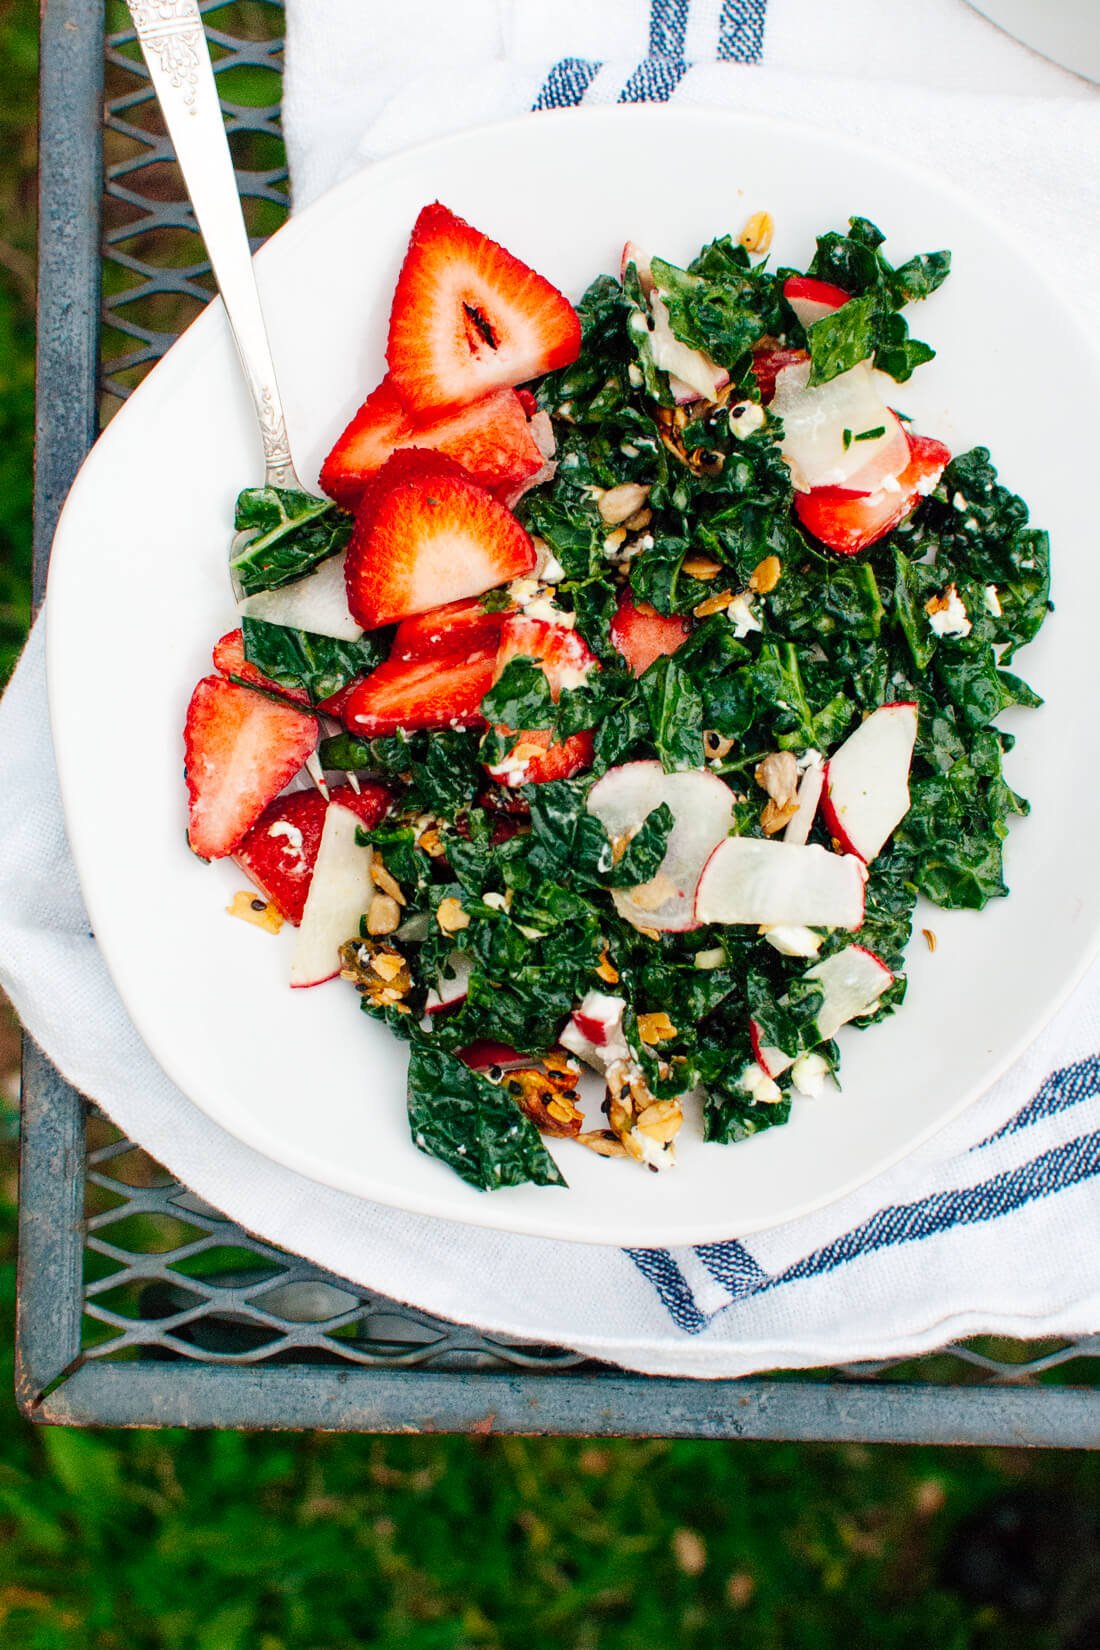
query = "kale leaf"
x=299 y=659
x=472 y=1125
x=291 y=534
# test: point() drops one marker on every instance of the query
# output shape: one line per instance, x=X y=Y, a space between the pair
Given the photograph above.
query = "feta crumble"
x=947 y=614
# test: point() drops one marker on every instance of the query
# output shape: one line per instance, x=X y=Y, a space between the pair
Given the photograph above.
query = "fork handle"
x=173 y=42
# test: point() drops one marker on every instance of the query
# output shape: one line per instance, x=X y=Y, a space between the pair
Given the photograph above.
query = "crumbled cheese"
x=714 y=958
x=628 y=449
x=746 y=418
x=570 y=461
x=791 y=939
x=523 y=590
x=655 y=1155
x=755 y=1081
x=498 y=902
x=992 y=601
x=544 y=608
x=634 y=373
x=553 y=571
x=890 y=484
x=928 y=483
x=808 y=1074
x=947 y=614
x=959 y=502
x=741 y=616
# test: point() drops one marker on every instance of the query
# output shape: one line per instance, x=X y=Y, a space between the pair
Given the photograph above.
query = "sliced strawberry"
x=641 y=634
x=768 y=363
x=279 y=852
x=426 y=535
x=811 y=299
x=230 y=660
x=849 y=521
x=240 y=749
x=441 y=691
x=468 y=317
x=458 y=627
x=491 y=439
x=566 y=660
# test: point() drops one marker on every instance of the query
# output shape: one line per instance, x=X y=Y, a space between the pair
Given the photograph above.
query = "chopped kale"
x=291 y=533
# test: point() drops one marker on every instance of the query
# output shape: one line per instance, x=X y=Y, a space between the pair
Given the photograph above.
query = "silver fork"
x=174 y=45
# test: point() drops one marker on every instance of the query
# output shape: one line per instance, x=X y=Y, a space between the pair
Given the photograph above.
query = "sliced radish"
x=812 y=300
x=483 y=1053
x=340 y=892
x=694 y=369
x=702 y=811
x=684 y=394
x=542 y=433
x=318 y=603
x=799 y=826
x=815 y=419
x=771 y=1060
x=594 y=1031
x=752 y=879
x=447 y=992
x=851 y=981
x=636 y=255
x=866 y=792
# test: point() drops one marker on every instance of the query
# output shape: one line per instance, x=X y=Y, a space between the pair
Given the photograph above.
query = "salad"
x=638 y=672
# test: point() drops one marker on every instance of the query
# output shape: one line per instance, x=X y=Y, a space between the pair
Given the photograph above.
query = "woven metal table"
x=138 y=1304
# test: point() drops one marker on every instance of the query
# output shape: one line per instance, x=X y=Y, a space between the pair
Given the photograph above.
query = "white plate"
x=138 y=594
x=1066 y=31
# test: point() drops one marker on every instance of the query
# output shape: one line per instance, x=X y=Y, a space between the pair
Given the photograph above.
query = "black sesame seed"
x=259 y=905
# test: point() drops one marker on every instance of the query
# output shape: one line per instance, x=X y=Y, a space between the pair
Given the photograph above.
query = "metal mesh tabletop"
x=140 y=1305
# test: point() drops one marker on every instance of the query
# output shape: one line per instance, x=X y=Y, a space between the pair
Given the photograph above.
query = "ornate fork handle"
x=174 y=45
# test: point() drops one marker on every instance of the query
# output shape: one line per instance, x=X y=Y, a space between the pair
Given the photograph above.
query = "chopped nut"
x=257 y=911
x=716 y=745
x=662 y=1121
x=640 y=519
x=765 y=575
x=618 y=504
x=602 y=1142
x=702 y=567
x=655 y=1028
x=606 y=969
x=526 y=749
x=778 y=775
x=650 y=933
x=562 y=1064
x=384 y=915
x=757 y=233
x=382 y=879
x=647 y=896
x=431 y=842
x=387 y=964
x=929 y=938
x=775 y=815
x=621 y=843
x=713 y=604
x=547 y=1098
x=451 y=917
x=614 y=540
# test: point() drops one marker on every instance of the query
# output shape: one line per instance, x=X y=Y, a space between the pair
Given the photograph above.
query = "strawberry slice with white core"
x=468 y=317
x=828 y=430
x=339 y=894
x=279 y=852
x=456 y=628
x=866 y=793
x=641 y=634
x=594 y=1031
x=702 y=812
x=450 y=987
x=229 y=659
x=566 y=661
x=240 y=749
x=318 y=603
x=491 y=438
x=851 y=982
x=754 y=880
x=800 y=824
x=811 y=299
x=439 y=691
x=850 y=521
x=426 y=534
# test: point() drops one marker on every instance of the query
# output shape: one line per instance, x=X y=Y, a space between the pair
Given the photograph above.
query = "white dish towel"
x=994 y=1226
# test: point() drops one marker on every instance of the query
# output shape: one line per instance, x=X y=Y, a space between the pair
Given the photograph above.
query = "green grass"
x=170 y=1541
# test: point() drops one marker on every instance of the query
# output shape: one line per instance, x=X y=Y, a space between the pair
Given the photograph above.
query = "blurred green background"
x=169 y=1541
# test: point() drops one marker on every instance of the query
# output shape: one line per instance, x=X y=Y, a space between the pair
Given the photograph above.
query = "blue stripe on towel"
x=654 y=80
x=566 y=84
x=668 y=21
x=741 y=31
x=1063 y=1088
x=1054 y=1171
